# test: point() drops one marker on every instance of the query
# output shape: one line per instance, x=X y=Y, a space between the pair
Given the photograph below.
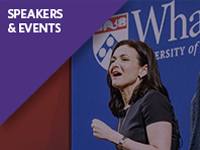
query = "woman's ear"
x=143 y=71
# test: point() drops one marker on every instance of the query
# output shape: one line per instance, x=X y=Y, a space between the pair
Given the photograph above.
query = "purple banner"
x=38 y=37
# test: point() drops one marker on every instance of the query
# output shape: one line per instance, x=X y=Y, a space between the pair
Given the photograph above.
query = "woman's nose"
x=114 y=65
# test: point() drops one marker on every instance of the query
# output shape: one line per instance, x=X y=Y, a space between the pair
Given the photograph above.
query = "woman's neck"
x=127 y=93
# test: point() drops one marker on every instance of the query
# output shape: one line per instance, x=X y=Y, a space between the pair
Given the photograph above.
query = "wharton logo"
x=167 y=8
x=113 y=31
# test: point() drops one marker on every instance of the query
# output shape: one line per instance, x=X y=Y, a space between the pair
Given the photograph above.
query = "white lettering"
x=51 y=26
x=10 y=12
x=53 y=13
x=16 y=13
x=192 y=34
x=36 y=28
x=44 y=27
x=45 y=13
x=173 y=19
x=23 y=14
x=151 y=18
x=58 y=28
x=28 y=28
x=31 y=14
x=38 y=13
x=182 y=50
x=60 y=14
x=21 y=28
x=168 y=53
x=39 y=28
x=174 y=52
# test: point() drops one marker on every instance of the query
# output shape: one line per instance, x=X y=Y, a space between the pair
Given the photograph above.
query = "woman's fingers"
x=94 y=130
x=100 y=129
x=96 y=123
x=93 y=123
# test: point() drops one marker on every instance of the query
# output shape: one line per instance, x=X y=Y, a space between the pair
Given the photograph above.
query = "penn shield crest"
x=113 y=31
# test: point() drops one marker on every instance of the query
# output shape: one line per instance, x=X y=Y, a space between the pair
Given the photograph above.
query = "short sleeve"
x=156 y=107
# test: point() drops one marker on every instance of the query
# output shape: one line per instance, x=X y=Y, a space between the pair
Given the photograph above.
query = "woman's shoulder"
x=155 y=107
x=152 y=93
x=154 y=96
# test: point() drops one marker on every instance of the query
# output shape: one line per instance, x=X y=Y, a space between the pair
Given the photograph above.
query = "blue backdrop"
x=172 y=29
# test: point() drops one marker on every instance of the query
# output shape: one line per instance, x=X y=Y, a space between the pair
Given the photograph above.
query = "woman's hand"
x=101 y=130
x=154 y=132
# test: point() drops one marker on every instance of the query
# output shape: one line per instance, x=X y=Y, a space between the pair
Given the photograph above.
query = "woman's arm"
x=159 y=135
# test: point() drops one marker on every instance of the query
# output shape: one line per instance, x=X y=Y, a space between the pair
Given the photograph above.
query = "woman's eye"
x=112 y=61
x=124 y=59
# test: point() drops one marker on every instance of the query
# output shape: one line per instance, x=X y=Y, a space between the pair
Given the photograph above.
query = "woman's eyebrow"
x=124 y=55
x=113 y=57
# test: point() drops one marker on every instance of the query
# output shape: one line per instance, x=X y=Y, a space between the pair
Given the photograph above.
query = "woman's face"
x=124 y=67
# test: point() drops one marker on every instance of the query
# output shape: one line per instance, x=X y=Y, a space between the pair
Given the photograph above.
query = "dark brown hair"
x=150 y=81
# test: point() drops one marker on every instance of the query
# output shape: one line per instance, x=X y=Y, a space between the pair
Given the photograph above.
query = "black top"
x=151 y=108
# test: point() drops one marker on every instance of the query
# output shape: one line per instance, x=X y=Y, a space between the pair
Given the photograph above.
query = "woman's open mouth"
x=116 y=74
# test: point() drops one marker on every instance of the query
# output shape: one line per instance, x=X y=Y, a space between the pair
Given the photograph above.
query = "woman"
x=139 y=100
